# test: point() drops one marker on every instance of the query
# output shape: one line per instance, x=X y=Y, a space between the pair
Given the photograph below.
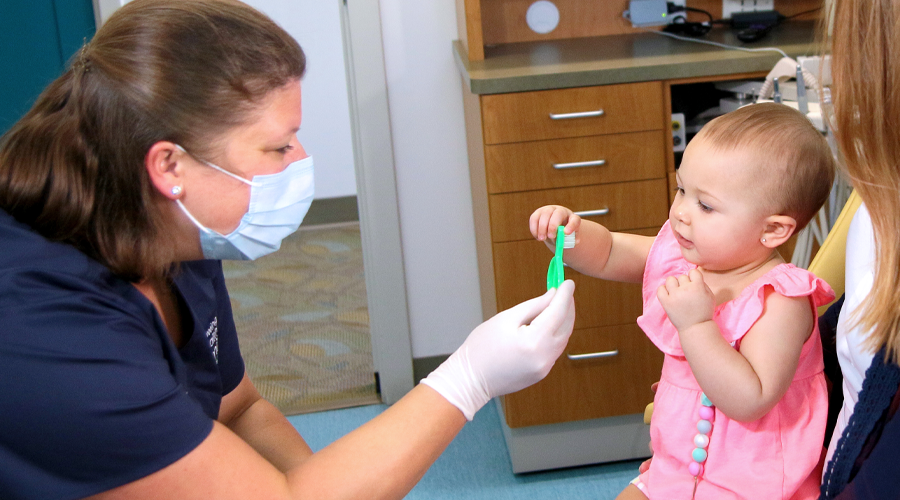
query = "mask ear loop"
x=193 y=219
x=220 y=169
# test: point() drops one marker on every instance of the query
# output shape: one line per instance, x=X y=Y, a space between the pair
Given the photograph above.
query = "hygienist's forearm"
x=725 y=376
x=383 y=459
x=262 y=426
x=386 y=457
x=268 y=432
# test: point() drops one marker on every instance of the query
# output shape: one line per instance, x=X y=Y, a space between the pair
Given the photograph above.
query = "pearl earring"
x=176 y=190
x=763 y=240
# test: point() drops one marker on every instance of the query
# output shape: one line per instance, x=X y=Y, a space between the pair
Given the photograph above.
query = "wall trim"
x=332 y=211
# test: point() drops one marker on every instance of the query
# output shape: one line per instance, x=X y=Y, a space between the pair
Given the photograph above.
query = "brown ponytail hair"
x=184 y=71
x=866 y=86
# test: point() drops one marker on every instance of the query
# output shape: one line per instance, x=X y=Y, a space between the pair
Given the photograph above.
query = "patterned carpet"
x=303 y=322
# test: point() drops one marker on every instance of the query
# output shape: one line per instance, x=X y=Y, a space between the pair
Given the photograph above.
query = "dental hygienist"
x=167 y=145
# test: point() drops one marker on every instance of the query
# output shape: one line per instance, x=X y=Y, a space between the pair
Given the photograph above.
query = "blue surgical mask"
x=278 y=203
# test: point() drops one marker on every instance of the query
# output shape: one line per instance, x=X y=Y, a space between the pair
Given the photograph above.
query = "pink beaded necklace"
x=707 y=413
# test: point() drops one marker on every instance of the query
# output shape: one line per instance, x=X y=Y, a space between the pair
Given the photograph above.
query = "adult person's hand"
x=508 y=352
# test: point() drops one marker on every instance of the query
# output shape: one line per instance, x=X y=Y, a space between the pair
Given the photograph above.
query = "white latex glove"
x=508 y=352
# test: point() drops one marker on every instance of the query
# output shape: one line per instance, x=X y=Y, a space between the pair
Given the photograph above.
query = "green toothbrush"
x=556 y=273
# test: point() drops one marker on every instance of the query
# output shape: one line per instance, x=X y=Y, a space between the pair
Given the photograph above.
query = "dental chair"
x=828 y=263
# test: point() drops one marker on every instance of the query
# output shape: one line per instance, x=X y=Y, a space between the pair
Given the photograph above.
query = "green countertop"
x=641 y=57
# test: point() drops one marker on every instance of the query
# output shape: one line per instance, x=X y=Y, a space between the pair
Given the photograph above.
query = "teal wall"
x=37 y=37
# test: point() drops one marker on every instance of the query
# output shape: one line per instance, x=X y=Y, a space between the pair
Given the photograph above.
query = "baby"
x=741 y=405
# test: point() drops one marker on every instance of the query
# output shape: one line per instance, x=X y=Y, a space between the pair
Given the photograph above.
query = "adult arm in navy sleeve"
x=879 y=475
x=382 y=459
x=91 y=397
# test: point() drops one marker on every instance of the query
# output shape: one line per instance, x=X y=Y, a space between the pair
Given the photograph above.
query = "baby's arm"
x=598 y=252
x=745 y=384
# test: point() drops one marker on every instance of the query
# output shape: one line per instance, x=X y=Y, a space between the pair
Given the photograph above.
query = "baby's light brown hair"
x=796 y=167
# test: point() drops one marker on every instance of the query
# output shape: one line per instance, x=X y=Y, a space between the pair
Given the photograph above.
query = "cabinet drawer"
x=599 y=159
x=628 y=204
x=520 y=271
x=591 y=388
x=526 y=116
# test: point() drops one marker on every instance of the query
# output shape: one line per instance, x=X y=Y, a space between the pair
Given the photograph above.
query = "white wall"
x=427 y=123
x=325 y=131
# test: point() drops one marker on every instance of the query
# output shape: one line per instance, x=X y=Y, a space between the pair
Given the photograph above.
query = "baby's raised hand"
x=543 y=221
x=686 y=299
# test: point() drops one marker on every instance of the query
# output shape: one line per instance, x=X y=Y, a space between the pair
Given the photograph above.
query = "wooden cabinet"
x=582 y=389
x=521 y=273
x=524 y=166
x=619 y=206
x=577 y=112
x=597 y=150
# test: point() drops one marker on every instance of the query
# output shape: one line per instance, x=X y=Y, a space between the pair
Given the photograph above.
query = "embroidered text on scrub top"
x=212 y=335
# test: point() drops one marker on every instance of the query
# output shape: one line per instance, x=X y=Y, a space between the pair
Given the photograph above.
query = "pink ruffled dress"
x=775 y=457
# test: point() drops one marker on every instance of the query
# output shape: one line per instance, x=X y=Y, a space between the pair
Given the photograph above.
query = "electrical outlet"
x=731 y=6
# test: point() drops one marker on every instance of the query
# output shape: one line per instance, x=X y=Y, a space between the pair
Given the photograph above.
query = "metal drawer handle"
x=591 y=213
x=577 y=164
x=593 y=355
x=582 y=114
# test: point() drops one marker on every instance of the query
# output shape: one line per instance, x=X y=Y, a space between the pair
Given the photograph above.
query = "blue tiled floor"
x=476 y=466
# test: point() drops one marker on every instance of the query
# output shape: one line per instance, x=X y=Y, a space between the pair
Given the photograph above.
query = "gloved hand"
x=508 y=352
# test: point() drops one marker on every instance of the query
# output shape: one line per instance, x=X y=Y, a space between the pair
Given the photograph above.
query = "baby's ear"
x=778 y=229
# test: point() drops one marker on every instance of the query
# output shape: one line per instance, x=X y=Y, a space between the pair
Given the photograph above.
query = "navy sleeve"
x=90 y=396
x=879 y=476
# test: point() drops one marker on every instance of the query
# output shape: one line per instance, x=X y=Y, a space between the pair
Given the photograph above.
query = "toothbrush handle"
x=556 y=274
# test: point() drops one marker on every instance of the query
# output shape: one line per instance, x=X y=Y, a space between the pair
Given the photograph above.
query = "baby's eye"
x=679 y=190
x=704 y=207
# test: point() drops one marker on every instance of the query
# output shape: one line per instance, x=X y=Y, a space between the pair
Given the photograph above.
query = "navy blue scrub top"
x=93 y=392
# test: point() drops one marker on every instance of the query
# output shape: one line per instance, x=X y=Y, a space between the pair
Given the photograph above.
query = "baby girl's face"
x=718 y=215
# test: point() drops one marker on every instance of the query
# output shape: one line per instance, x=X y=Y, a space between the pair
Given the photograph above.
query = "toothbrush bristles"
x=569 y=241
